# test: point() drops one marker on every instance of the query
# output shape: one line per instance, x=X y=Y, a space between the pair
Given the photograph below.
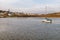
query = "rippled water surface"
x=29 y=29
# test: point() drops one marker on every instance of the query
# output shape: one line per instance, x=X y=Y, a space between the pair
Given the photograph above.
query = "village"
x=5 y=14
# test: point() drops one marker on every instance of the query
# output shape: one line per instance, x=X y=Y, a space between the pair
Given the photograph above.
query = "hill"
x=57 y=14
x=19 y=14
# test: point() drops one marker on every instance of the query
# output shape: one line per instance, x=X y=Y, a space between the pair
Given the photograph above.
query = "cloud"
x=7 y=1
x=16 y=3
x=31 y=6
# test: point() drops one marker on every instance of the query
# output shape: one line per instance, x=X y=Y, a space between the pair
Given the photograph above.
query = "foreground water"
x=29 y=29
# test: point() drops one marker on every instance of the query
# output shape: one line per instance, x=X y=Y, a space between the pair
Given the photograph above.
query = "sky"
x=31 y=6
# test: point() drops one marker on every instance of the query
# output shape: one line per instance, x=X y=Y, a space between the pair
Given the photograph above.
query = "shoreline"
x=29 y=17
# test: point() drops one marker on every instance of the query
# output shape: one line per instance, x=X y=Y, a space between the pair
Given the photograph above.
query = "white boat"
x=47 y=20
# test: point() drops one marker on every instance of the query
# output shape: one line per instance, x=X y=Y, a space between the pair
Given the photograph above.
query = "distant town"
x=4 y=14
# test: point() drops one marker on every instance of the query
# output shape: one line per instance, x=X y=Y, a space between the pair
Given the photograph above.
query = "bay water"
x=29 y=28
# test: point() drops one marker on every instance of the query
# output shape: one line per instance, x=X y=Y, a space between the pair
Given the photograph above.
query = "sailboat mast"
x=46 y=9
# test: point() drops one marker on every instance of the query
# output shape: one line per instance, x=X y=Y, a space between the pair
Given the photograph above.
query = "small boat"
x=47 y=20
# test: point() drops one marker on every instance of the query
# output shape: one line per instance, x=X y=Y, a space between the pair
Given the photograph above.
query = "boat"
x=47 y=20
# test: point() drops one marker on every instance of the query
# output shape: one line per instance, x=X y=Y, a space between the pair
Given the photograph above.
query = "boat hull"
x=47 y=21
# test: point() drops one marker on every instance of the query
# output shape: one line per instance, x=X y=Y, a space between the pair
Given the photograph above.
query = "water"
x=29 y=29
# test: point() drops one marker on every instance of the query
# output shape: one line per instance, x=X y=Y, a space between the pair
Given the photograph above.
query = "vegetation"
x=57 y=14
x=18 y=14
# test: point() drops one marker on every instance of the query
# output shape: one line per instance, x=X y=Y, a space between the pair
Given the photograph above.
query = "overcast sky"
x=34 y=6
